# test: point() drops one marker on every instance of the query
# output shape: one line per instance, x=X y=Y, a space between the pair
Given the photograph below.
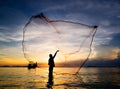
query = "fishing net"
x=42 y=36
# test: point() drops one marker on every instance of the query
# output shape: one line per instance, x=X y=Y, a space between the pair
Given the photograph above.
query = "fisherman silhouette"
x=51 y=65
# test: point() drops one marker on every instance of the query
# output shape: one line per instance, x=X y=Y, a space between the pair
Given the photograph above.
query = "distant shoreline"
x=68 y=66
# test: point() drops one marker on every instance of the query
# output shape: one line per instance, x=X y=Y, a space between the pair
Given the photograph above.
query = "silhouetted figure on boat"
x=32 y=65
x=51 y=65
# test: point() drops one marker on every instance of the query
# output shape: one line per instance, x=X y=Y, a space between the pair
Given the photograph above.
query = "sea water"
x=64 y=78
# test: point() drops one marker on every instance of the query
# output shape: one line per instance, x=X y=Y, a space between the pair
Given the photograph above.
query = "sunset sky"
x=14 y=14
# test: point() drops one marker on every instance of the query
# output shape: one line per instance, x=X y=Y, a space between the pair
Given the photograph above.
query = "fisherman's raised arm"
x=55 y=53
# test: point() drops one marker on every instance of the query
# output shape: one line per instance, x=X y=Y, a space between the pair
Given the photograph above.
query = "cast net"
x=42 y=36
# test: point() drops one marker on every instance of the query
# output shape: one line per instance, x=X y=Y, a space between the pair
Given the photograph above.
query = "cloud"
x=3 y=28
x=107 y=52
x=115 y=41
x=14 y=36
x=118 y=55
x=107 y=45
x=105 y=22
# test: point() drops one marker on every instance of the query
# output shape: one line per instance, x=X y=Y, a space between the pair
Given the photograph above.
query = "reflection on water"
x=88 y=78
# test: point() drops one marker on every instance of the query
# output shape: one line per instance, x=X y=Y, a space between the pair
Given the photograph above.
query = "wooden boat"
x=32 y=65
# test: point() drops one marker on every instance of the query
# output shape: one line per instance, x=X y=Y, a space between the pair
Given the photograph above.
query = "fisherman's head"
x=50 y=55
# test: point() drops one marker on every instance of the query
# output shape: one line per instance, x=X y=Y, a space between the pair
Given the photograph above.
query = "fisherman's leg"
x=50 y=75
x=50 y=71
